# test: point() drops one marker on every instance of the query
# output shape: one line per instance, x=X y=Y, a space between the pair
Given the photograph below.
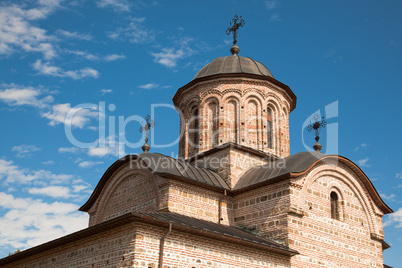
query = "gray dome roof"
x=233 y=65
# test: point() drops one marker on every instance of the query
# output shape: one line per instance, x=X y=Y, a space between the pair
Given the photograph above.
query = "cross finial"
x=316 y=126
x=234 y=27
x=146 y=127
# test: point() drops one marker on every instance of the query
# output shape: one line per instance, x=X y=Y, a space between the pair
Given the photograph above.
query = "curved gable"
x=150 y=164
x=297 y=165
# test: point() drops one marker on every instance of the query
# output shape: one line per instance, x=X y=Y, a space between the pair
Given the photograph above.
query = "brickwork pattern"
x=326 y=242
x=131 y=188
x=187 y=251
x=109 y=249
x=234 y=110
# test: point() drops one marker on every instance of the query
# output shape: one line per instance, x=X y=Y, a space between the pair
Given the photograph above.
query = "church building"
x=235 y=197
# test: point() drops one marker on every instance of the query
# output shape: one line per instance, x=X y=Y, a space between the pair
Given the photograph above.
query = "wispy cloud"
x=363 y=145
x=149 y=86
x=83 y=54
x=89 y=164
x=363 y=162
x=116 y=5
x=18 y=34
x=110 y=145
x=11 y=173
x=75 y=35
x=274 y=17
x=49 y=162
x=25 y=151
x=398 y=175
x=134 y=32
x=72 y=150
x=169 y=56
x=106 y=91
x=89 y=56
x=114 y=57
x=47 y=69
x=271 y=4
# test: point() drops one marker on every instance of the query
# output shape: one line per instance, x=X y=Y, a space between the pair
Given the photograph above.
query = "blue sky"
x=109 y=60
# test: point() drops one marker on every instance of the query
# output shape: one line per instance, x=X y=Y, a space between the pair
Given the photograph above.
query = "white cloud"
x=59 y=112
x=105 y=146
x=24 y=151
x=52 y=191
x=116 y=5
x=47 y=69
x=30 y=222
x=75 y=35
x=79 y=188
x=170 y=56
x=50 y=162
x=390 y=197
x=398 y=175
x=149 y=86
x=88 y=164
x=16 y=95
x=363 y=162
x=395 y=219
x=135 y=32
x=18 y=34
x=108 y=146
x=10 y=173
x=114 y=57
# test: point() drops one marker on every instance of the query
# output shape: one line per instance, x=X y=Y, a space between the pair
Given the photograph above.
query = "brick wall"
x=186 y=251
x=129 y=189
x=327 y=242
x=107 y=249
x=234 y=110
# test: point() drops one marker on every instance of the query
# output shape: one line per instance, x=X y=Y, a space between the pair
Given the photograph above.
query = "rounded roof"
x=233 y=65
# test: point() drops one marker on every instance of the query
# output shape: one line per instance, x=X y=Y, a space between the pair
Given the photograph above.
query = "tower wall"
x=247 y=112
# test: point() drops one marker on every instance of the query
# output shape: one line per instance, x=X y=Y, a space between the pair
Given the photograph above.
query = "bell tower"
x=234 y=107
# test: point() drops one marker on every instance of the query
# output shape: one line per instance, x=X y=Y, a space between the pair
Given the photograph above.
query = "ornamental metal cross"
x=146 y=127
x=317 y=125
x=234 y=27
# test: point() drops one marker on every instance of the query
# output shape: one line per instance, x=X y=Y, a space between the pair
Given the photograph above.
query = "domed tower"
x=233 y=104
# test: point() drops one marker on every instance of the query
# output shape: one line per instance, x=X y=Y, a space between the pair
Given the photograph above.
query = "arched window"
x=269 y=127
x=334 y=206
